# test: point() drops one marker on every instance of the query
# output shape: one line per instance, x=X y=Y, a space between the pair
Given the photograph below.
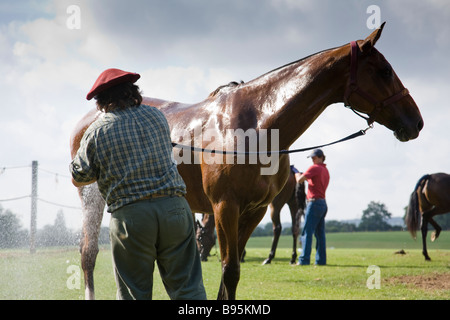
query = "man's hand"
x=80 y=184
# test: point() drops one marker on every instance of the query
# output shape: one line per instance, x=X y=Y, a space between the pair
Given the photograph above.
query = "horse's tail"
x=300 y=196
x=413 y=215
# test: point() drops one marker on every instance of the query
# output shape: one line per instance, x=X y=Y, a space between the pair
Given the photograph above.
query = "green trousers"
x=161 y=230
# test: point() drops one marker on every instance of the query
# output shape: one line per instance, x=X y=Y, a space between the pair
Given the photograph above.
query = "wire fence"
x=57 y=175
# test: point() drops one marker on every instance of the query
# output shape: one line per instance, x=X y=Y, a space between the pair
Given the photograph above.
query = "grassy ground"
x=49 y=274
x=370 y=240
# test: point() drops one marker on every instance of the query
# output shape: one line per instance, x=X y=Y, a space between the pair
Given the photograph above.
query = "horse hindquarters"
x=92 y=205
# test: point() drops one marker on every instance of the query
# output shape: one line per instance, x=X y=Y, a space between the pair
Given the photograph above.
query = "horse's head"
x=375 y=89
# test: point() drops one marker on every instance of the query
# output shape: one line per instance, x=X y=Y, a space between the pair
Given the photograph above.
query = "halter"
x=353 y=88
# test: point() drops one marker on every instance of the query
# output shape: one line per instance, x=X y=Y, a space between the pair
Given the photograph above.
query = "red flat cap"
x=110 y=78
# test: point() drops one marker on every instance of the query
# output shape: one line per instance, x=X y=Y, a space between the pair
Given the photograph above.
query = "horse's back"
x=437 y=189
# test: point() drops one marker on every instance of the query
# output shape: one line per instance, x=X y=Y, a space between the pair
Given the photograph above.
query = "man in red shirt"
x=318 y=178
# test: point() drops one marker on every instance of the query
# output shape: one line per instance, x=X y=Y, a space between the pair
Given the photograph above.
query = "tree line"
x=13 y=235
x=374 y=218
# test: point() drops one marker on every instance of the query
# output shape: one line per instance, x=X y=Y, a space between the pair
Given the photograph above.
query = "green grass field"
x=49 y=274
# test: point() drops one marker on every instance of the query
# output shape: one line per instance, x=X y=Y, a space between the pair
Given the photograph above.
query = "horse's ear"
x=370 y=41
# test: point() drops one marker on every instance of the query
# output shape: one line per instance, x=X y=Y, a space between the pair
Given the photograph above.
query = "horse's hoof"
x=434 y=236
x=267 y=261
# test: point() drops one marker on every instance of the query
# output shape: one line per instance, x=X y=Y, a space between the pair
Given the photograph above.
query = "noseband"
x=353 y=88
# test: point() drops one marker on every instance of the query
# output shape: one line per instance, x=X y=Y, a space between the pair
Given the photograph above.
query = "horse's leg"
x=424 y=230
x=275 y=215
x=92 y=208
x=226 y=215
x=210 y=226
x=295 y=218
x=247 y=224
x=437 y=230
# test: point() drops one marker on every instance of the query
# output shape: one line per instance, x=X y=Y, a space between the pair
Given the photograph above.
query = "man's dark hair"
x=121 y=96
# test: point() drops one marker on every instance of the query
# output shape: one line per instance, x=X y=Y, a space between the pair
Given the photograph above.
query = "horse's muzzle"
x=404 y=134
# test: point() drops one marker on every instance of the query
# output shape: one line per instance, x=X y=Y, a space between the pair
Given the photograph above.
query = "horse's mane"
x=235 y=84
x=230 y=84
x=297 y=61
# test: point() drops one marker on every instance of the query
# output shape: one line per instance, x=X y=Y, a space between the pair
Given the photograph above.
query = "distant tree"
x=267 y=230
x=258 y=232
x=11 y=233
x=443 y=220
x=56 y=234
x=60 y=222
x=286 y=231
x=375 y=218
x=337 y=226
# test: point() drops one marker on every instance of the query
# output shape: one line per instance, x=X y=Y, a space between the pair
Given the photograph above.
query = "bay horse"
x=279 y=106
x=293 y=194
x=431 y=197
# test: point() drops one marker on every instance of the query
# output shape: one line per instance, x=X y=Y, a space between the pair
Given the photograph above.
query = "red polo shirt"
x=318 y=178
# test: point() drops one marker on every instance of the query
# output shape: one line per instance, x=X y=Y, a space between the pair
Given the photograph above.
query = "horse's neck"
x=289 y=99
x=297 y=94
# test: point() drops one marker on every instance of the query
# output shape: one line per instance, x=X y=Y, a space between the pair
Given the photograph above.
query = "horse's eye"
x=386 y=72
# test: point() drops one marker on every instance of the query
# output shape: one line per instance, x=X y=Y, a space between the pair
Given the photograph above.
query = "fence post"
x=34 y=178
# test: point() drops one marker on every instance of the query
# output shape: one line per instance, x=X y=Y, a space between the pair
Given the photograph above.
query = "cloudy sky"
x=52 y=51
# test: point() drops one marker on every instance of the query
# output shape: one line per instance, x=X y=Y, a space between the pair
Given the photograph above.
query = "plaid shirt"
x=129 y=153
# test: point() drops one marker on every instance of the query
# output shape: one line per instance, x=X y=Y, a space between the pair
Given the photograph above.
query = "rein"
x=353 y=88
x=349 y=137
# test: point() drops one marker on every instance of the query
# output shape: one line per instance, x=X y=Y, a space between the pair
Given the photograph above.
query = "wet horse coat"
x=284 y=102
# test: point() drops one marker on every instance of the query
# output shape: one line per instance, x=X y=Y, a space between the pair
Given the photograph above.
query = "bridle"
x=353 y=88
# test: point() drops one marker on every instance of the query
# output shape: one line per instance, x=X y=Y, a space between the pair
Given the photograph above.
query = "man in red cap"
x=128 y=152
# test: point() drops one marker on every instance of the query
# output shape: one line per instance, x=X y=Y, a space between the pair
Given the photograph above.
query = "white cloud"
x=187 y=85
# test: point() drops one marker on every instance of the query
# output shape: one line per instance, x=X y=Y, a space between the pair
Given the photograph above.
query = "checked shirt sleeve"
x=83 y=166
